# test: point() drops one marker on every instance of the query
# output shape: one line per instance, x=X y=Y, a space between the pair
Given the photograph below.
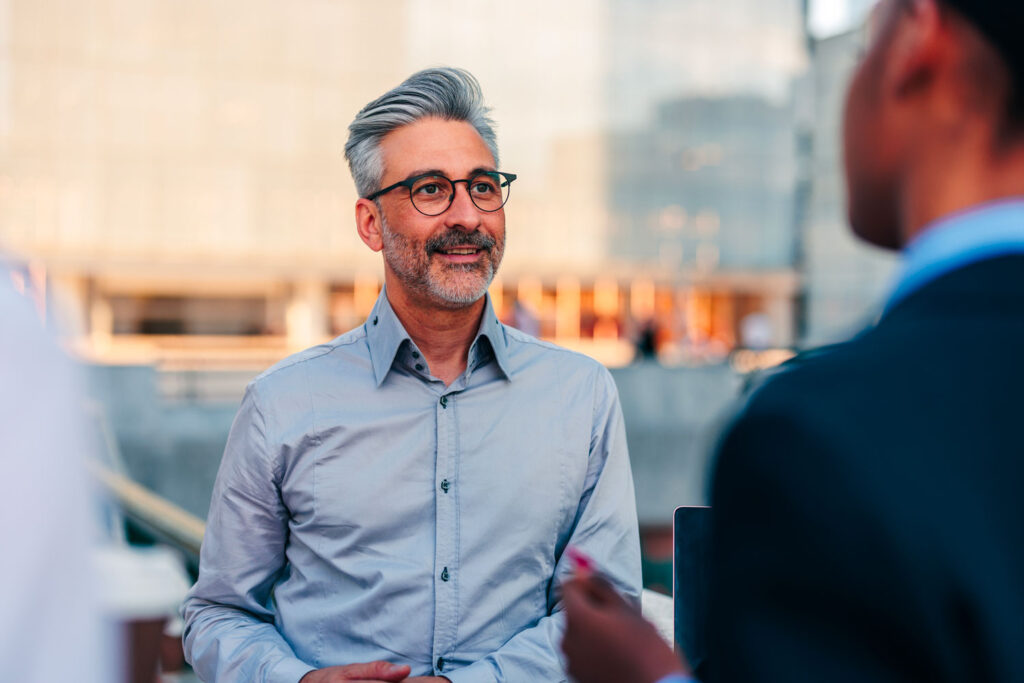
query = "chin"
x=455 y=295
x=873 y=216
x=459 y=287
x=876 y=233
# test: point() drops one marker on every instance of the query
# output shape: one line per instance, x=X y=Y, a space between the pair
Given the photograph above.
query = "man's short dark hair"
x=1001 y=22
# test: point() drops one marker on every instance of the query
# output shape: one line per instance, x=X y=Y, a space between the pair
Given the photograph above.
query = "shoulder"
x=523 y=347
x=338 y=358
x=540 y=358
x=836 y=378
x=795 y=445
x=812 y=405
x=828 y=418
x=808 y=374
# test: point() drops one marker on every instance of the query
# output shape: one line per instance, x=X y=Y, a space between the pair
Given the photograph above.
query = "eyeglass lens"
x=433 y=195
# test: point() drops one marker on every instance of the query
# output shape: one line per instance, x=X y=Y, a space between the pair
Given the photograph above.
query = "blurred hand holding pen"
x=607 y=639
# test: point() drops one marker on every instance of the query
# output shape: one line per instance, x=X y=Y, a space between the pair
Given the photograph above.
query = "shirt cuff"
x=290 y=670
x=477 y=672
x=677 y=678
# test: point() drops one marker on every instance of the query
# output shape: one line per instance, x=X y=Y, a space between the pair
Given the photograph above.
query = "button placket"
x=446 y=531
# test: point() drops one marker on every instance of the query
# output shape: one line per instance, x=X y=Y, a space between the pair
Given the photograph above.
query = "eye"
x=484 y=187
x=428 y=189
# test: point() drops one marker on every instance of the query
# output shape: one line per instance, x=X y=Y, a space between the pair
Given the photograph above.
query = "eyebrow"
x=435 y=171
x=426 y=171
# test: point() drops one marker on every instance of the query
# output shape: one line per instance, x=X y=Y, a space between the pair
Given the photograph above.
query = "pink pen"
x=583 y=565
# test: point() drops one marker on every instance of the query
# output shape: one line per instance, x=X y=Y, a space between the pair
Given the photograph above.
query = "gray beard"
x=413 y=266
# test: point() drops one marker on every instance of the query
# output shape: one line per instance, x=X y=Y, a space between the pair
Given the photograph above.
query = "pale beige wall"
x=177 y=137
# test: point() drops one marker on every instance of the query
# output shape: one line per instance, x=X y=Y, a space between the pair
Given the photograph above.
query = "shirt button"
x=419 y=366
x=440 y=663
x=445 y=486
x=444 y=401
x=444 y=574
x=375 y=319
x=415 y=354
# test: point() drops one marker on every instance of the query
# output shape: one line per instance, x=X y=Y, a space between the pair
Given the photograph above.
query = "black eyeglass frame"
x=408 y=183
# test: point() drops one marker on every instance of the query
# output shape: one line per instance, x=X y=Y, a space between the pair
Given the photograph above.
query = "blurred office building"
x=172 y=184
x=172 y=172
x=844 y=280
x=705 y=197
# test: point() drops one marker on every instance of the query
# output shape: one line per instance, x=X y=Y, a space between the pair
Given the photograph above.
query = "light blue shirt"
x=983 y=232
x=677 y=678
x=365 y=511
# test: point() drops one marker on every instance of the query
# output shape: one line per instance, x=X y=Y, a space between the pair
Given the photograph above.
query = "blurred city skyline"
x=174 y=170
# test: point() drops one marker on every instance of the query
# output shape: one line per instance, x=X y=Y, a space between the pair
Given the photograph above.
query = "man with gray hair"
x=396 y=504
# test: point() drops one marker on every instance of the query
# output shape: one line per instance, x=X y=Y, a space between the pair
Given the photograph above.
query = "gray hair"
x=445 y=92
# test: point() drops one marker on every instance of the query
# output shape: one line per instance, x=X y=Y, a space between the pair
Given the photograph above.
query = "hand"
x=371 y=672
x=607 y=640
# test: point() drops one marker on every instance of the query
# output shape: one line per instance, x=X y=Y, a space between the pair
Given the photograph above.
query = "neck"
x=953 y=178
x=443 y=335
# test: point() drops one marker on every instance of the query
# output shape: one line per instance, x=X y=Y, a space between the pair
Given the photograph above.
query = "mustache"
x=456 y=238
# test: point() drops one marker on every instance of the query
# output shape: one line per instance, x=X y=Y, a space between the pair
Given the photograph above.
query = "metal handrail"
x=162 y=518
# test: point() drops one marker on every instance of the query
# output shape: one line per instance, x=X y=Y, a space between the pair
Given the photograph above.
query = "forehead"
x=453 y=147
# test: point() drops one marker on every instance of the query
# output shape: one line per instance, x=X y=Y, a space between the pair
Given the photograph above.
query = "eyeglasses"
x=431 y=193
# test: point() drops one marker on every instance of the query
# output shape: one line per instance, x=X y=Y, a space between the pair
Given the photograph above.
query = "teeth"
x=460 y=252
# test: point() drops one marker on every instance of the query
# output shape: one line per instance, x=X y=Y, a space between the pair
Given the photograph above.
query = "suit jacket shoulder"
x=868 y=521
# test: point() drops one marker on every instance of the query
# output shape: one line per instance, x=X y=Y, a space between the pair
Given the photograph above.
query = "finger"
x=377 y=671
x=599 y=591
x=576 y=596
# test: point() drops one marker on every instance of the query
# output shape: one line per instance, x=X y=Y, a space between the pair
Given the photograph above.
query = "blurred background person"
x=50 y=625
x=867 y=521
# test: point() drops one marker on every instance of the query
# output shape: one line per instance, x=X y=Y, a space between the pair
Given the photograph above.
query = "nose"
x=463 y=213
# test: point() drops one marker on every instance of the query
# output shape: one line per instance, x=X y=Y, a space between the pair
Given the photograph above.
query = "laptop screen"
x=690 y=575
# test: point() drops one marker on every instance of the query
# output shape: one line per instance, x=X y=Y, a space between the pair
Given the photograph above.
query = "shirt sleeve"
x=229 y=619
x=677 y=678
x=605 y=528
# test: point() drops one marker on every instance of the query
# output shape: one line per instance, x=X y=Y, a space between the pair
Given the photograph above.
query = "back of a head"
x=444 y=92
x=1001 y=23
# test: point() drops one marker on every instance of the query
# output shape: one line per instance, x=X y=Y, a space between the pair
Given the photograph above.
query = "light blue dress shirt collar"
x=387 y=337
x=982 y=232
x=677 y=678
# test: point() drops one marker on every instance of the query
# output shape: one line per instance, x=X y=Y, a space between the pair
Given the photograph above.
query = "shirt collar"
x=983 y=232
x=386 y=335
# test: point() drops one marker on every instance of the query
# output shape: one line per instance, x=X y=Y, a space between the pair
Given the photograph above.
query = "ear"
x=368 y=224
x=919 y=43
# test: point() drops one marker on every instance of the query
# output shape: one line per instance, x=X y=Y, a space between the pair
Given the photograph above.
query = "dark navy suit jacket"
x=868 y=502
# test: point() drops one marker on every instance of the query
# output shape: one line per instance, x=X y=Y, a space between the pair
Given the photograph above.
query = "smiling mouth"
x=460 y=251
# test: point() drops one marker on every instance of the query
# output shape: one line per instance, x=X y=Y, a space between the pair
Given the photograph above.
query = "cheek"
x=852 y=119
x=496 y=226
x=863 y=143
